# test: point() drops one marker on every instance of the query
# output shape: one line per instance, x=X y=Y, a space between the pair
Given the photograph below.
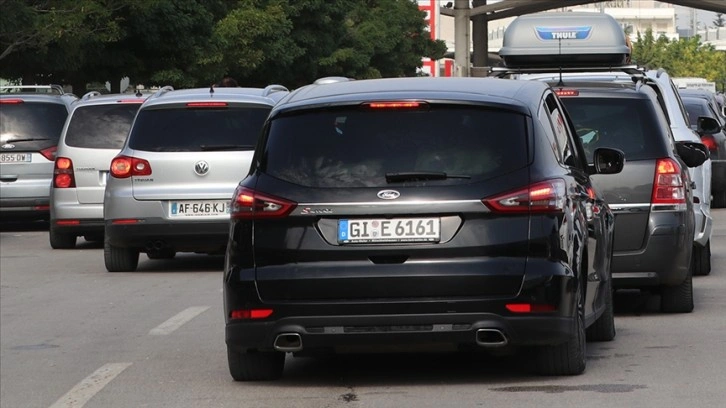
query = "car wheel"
x=701 y=259
x=603 y=329
x=679 y=298
x=59 y=240
x=719 y=200
x=119 y=259
x=161 y=254
x=255 y=365
x=567 y=358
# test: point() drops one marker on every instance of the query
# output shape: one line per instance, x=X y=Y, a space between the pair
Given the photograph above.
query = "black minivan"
x=437 y=212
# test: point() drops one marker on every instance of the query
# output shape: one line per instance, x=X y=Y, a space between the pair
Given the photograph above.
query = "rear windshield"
x=202 y=129
x=31 y=121
x=101 y=126
x=695 y=110
x=352 y=147
x=628 y=124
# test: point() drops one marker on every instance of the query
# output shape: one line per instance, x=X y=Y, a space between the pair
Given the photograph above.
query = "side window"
x=559 y=126
x=544 y=119
x=680 y=102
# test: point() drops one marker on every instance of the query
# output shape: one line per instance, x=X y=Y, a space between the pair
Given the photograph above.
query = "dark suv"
x=451 y=212
x=652 y=198
x=31 y=121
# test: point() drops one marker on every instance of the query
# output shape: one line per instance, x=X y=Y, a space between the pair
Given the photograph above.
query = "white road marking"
x=177 y=321
x=79 y=395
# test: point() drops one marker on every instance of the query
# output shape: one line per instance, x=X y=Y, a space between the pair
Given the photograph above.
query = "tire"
x=677 y=299
x=701 y=259
x=161 y=254
x=119 y=259
x=59 y=240
x=719 y=200
x=603 y=329
x=567 y=358
x=255 y=365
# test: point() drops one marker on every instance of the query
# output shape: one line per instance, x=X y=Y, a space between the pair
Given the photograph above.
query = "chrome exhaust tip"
x=288 y=342
x=491 y=338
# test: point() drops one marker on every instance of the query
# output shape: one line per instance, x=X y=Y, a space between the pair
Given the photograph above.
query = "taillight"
x=207 y=104
x=49 y=153
x=125 y=166
x=11 y=101
x=567 y=92
x=246 y=314
x=545 y=196
x=63 y=176
x=668 y=187
x=530 y=308
x=250 y=204
x=710 y=142
x=412 y=105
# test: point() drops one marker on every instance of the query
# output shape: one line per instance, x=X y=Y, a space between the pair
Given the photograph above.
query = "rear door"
x=631 y=125
x=94 y=136
x=29 y=131
x=197 y=155
x=388 y=194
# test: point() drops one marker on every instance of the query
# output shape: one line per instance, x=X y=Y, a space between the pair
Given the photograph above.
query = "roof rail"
x=331 y=80
x=89 y=95
x=53 y=88
x=501 y=72
x=162 y=91
x=274 y=88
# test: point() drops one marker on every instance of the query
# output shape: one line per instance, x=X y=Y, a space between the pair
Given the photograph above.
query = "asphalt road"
x=74 y=335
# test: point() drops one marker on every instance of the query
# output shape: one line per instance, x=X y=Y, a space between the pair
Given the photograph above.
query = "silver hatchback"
x=31 y=120
x=170 y=187
x=92 y=136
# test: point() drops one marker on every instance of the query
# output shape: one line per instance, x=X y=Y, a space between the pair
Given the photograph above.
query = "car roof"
x=465 y=89
x=96 y=98
x=269 y=95
x=37 y=94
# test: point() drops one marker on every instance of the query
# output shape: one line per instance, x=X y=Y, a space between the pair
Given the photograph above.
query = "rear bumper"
x=31 y=207
x=340 y=332
x=194 y=236
x=664 y=260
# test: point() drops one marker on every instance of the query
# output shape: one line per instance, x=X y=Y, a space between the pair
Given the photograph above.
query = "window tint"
x=101 y=126
x=559 y=127
x=205 y=129
x=630 y=125
x=694 y=111
x=32 y=121
x=353 y=147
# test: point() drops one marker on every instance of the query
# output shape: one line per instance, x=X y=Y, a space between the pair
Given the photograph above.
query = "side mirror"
x=608 y=161
x=707 y=126
x=693 y=154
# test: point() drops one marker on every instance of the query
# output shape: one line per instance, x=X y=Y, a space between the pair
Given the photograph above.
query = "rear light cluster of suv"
x=125 y=166
x=668 y=185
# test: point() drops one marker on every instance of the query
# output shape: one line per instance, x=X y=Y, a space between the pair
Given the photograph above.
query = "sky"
x=683 y=17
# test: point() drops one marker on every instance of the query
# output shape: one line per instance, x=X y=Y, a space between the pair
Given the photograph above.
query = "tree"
x=34 y=24
x=719 y=21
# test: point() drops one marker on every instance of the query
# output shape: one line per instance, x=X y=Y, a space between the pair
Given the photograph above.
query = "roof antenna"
x=211 y=90
x=559 y=43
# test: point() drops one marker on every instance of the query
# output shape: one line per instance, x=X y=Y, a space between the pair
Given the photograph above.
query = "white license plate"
x=15 y=157
x=389 y=230
x=209 y=208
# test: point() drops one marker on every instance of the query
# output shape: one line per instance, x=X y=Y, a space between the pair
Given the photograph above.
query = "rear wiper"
x=421 y=175
x=29 y=139
x=226 y=147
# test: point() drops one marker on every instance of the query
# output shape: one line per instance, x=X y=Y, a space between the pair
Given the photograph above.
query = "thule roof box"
x=572 y=39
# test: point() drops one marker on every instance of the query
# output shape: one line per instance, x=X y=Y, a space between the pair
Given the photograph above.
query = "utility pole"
x=461 y=37
x=480 y=36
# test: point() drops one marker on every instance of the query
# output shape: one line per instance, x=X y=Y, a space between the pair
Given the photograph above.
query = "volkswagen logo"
x=8 y=146
x=388 y=194
x=201 y=168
